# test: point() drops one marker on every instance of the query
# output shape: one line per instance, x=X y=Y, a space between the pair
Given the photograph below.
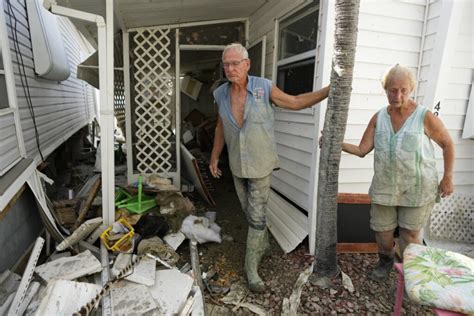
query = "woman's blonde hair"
x=397 y=70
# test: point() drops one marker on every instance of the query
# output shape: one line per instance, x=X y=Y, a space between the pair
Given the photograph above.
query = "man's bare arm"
x=217 y=149
x=298 y=102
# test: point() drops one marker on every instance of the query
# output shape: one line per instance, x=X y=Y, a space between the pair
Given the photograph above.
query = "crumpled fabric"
x=201 y=229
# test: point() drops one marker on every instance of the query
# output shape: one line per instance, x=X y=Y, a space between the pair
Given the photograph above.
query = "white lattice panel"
x=453 y=219
x=153 y=91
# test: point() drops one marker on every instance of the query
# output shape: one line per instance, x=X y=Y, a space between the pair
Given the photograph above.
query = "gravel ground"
x=280 y=270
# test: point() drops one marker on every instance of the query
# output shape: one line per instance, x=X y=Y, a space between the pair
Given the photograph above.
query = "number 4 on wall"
x=437 y=108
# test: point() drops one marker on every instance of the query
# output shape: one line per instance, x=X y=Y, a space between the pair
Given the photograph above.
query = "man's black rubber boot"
x=381 y=272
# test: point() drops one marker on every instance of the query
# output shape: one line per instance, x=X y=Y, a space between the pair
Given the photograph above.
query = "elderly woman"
x=405 y=183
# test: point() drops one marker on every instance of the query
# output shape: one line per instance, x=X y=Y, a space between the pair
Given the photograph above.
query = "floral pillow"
x=439 y=278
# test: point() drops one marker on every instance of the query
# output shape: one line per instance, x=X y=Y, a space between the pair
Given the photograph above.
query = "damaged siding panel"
x=290 y=191
x=294 y=143
x=454 y=106
x=293 y=130
x=59 y=107
x=9 y=151
x=389 y=32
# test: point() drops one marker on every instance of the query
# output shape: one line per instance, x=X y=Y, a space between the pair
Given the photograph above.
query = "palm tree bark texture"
x=347 y=15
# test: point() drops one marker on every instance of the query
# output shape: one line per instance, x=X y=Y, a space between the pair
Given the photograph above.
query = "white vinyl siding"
x=454 y=106
x=9 y=150
x=293 y=130
x=60 y=108
x=455 y=84
x=389 y=32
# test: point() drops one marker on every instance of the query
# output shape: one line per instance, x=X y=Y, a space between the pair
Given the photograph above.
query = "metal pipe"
x=106 y=116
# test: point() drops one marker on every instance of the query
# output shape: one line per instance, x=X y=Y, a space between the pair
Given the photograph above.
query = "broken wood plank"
x=87 y=204
x=66 y=203
x=66 y=215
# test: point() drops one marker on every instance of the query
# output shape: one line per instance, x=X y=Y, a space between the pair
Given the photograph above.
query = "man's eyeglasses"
x=232 y=63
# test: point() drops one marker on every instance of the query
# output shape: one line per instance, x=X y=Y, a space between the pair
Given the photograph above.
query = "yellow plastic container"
x=124 y=243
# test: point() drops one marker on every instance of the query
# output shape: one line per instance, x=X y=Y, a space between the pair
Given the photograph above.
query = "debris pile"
x=129 y=266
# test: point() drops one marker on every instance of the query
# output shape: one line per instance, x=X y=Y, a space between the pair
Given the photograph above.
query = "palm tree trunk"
x=347 y=14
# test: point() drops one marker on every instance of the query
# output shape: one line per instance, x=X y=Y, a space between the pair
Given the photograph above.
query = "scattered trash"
x=174 y=239
x=119 y=236
x=96 y=234
x=69 y=268
x=9 y=283
x=172 y=202
x=66 y=297
x=192 y=173
x=30 y=294
x=80 y=233
x=347 y=282
x=158 y=248
x=237 y=293
x=155 y=181
x=131 y=298
x=236 y=297
x=171 y=290
x=152 y=224
x=35 y=301
x=18 y=304
x=136 y=204
x=290 y=306
x=143 y=272
x=132 y=219
x=201 y=229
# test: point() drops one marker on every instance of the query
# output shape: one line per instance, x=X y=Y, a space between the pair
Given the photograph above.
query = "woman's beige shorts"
x=383 y=218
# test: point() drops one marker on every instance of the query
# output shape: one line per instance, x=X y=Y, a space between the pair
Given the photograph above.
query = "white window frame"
x=277 y=62
x=262 y=40
x=7 y=71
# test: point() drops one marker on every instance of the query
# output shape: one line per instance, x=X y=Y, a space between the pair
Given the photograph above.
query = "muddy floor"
x=280 y=271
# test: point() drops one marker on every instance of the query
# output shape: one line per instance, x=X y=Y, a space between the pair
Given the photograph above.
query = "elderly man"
x=405 y=183
x=245 y=124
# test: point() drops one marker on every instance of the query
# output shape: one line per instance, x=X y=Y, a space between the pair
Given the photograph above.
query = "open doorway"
x=200 y=73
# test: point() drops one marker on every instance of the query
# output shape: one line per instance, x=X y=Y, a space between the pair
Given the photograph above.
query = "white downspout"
x=422 y=46
x=106 y=118
x=106 y=113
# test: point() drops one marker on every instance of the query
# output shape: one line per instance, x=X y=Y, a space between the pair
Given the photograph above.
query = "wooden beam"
x=353 y=198
x=357 y=248
x=87 y=204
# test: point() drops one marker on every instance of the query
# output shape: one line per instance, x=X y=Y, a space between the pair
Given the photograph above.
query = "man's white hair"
x=396 y=70
x=238 y=48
